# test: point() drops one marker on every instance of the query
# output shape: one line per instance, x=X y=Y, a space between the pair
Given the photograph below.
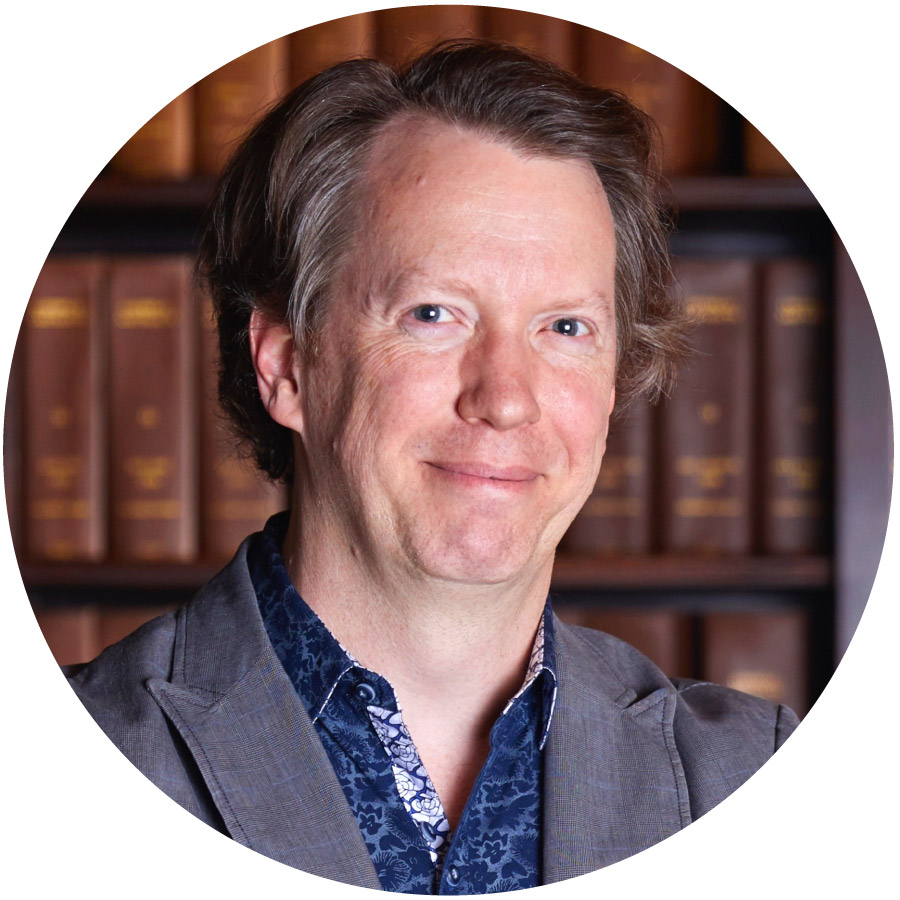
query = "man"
x=431 y=287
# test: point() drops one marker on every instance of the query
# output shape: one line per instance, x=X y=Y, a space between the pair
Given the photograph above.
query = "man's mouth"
x=486 y=472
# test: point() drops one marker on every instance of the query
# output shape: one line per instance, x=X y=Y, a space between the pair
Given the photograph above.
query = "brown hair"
x=284 y=215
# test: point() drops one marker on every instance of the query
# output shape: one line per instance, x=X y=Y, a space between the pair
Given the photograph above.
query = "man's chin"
x=486 y=562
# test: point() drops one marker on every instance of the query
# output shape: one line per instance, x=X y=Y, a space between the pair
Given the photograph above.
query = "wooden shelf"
x=715 y=192
x=739 y=192
x=570 y=573
x=686 y=573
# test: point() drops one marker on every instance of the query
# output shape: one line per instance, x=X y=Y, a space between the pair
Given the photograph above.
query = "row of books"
x=762 y=652
x=737 y=460
x=123 y=454
x=194 y=134
x=112 y=409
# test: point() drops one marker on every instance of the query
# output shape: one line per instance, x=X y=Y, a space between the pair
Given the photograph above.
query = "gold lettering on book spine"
x=627 y=507
x=59 y=472
x=709 y=507
x=709 y=472
x=714 y=309
x=793 y=310
x=150 y=509
x=615 y=469
x=49 y=510
x=797 y=508
x=145 y=312
x=801 y=473
x=148 y=473
x=58 y=312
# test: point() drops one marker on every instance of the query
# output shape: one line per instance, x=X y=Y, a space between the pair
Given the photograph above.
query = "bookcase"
x=791 y=613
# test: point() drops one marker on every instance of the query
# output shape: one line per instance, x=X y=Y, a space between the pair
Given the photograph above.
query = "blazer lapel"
x=253 y=742
x=613 y=781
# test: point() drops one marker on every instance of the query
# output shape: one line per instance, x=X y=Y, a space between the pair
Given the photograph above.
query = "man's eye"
x=431 y=313
x=569 y=327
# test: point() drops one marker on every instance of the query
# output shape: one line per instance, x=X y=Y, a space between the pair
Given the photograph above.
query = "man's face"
x=456 y=413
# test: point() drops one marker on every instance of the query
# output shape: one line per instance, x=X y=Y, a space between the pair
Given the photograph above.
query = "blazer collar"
x=613 y=780
x=257 y=750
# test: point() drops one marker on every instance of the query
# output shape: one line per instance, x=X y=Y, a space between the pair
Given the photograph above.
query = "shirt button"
x=453 y=875
x=365 y=692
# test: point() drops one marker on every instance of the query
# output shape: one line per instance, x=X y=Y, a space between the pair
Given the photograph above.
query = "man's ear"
x=272 y=352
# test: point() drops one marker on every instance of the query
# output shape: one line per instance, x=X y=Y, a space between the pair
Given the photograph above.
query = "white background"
x=79 y=78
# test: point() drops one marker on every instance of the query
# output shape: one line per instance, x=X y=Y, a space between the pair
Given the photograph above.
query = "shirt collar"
x=314 y=659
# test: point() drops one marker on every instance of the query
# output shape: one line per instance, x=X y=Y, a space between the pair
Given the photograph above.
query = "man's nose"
x=497 y=383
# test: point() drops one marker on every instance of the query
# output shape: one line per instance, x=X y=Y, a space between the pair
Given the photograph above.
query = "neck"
x=425 y=635
x=454 y=653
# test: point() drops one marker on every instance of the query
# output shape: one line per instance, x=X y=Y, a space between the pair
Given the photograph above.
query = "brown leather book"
x=152 y=381
x=663 y=636
x=761 y=157
x=12 y=450
x=763 y=653
x=229 y=100
x=688 y=114
x=616 y=517
x=795 y=405
x=706 y=426
x=235 y=500
x=314 y=49
x=544 y=35
x=64 y=416
x=407 y=30
x=163 y=148
x=71 y=632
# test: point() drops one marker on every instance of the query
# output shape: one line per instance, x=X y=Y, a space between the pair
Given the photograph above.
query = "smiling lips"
x=480 y=474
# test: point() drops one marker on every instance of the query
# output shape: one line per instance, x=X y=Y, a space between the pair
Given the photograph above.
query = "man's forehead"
x=418 y=148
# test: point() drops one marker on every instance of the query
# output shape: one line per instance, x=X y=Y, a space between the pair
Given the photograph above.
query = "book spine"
x=230 y=99
x=314 y=49
x=152 y=410
x=688 y=114
x=795 y=461
x=12 y=449
x=663 y=636
x=406 y=31
x=162 y=148
x=616 y=517
x=706 y=427
x=235 y=500
x=543 y=35
x=761 y=653
x=63 y=423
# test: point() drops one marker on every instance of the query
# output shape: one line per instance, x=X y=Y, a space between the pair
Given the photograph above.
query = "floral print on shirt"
x=496 y=844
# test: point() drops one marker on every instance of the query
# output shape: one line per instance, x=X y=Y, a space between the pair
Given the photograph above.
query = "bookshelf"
x=722 y=214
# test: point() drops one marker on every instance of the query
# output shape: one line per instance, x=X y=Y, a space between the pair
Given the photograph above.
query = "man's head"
x=289 y=218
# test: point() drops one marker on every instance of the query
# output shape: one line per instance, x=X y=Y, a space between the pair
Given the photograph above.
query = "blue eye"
x=430 y=313
x=568 y=327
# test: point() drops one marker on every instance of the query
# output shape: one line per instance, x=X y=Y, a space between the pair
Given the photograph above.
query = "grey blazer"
x=200 y=703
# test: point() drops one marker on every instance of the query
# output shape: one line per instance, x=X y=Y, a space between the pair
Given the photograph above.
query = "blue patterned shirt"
x=497 y=843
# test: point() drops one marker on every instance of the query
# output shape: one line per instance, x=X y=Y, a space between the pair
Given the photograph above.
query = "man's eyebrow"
x=403 y=286
x=595 y=299
x=407 y=282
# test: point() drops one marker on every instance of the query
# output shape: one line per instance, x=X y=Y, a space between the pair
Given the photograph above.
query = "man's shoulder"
x=113 y=683
x=207 y=642
x=708 y=719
